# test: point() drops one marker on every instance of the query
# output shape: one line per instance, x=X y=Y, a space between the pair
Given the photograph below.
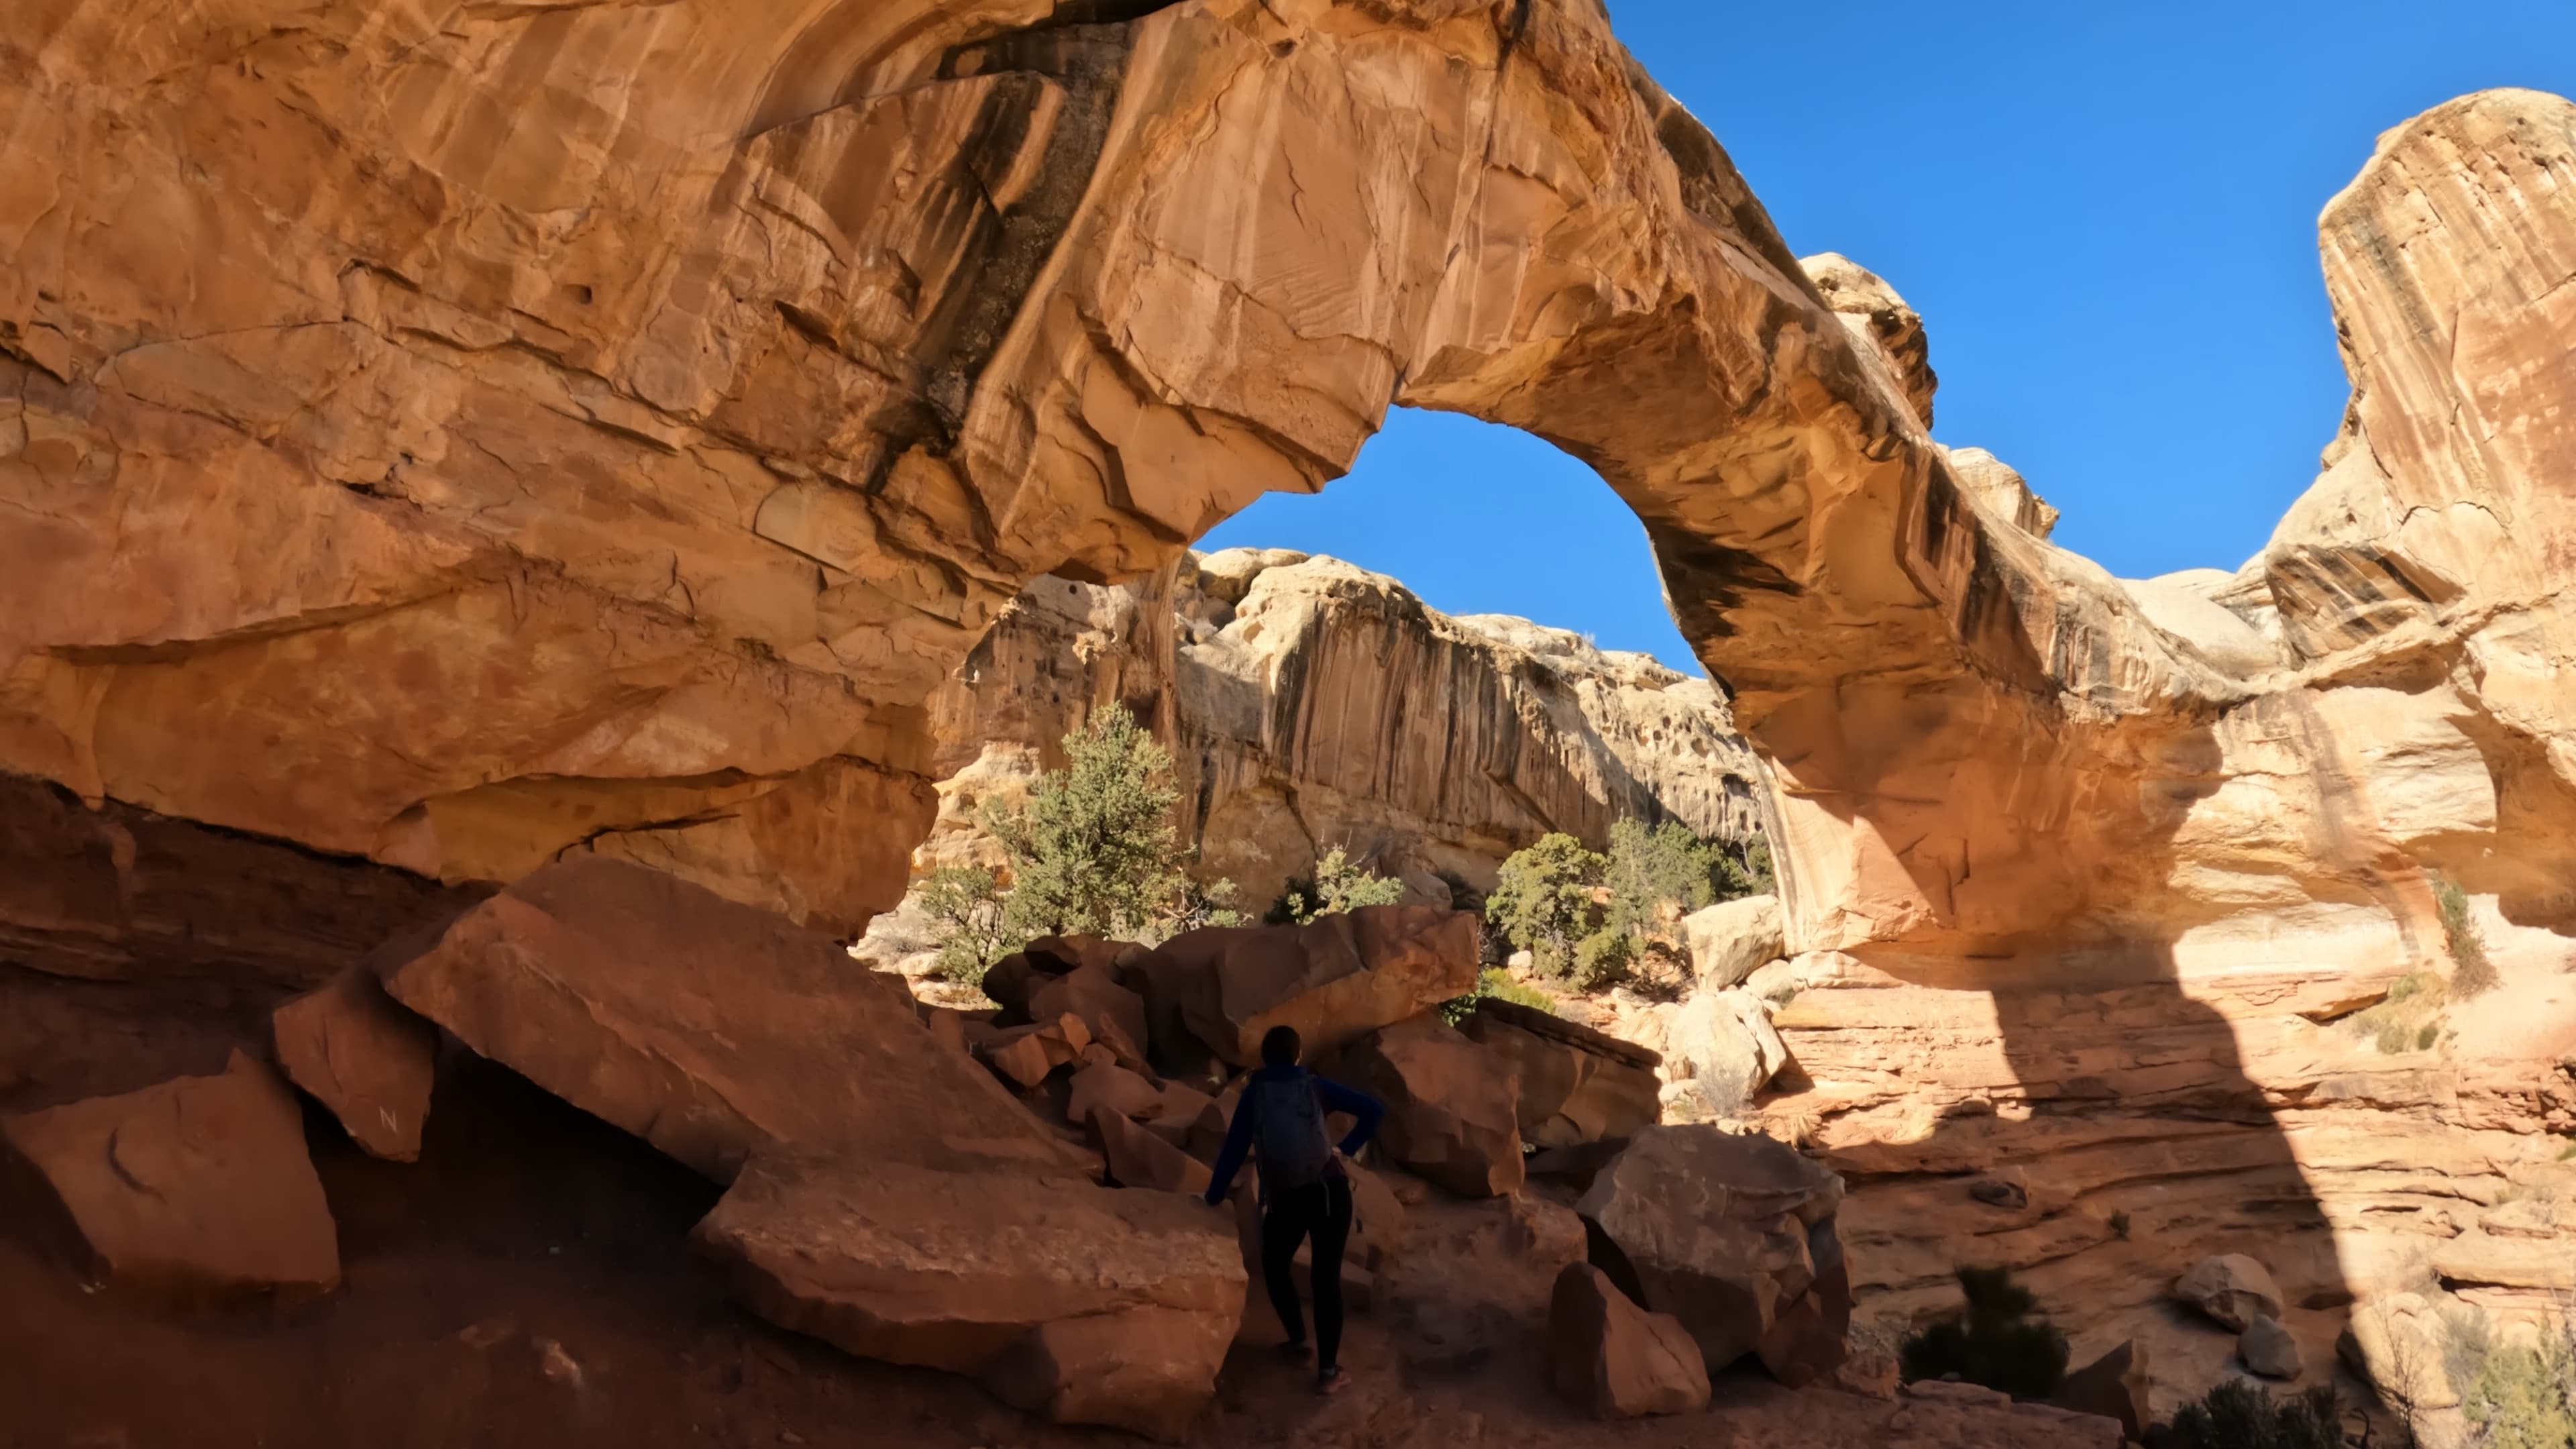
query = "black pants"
x=1323 y=1211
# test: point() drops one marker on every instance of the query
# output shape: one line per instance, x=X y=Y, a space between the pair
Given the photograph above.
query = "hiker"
x=1305 y=1190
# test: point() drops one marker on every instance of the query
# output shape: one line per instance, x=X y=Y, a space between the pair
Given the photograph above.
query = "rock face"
x=1334 y=980
x=1452 y=1105
x=713 y=1030
x=2115 y=1386
x=1082 y=1303
x=1735 y=1237
x=1875 y=315
x=1615 y=1359
x=1310 y=704
x=371 y=1062
x=1573 y=1084
x=198 y=1189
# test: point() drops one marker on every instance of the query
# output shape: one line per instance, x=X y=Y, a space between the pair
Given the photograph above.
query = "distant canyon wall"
x=1312 y=705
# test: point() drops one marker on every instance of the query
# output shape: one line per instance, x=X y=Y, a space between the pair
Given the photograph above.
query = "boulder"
x=710 y=1029
x=1729 y=939
x=1615 y=1359
x=197 y=1189
x=1188 y=1119
x=1722 y=1043
x=1452 y=1114
x=1025 y=1055
x=2231 y=1288
x=1012 y=982
x=1575 y=1166
x=1870 y=1372
x=364 y=1057
x=1114 y=1015
x=1083 y=1303
x=1576 y=1085
x=1138 y=1158
x=1108 y=1085
x=1735 y=1237
x=1337 y=979
x=1377 y=1220
x=2115 y=1386
x=2268 y=1349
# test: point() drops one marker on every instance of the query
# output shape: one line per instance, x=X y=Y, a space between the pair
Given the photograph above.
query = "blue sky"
x=2105 y=214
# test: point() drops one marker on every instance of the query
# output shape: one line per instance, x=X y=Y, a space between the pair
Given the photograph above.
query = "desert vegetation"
x=1593 y=919
x=1999 y=1338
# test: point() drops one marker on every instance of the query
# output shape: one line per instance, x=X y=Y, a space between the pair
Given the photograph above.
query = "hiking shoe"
x=1330 y=1381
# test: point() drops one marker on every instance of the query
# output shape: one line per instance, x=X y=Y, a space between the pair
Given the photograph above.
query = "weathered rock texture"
x=368 y=1060
x=461 y=436
x=712 y=1030
x=194 y=1190
x=1310 y=704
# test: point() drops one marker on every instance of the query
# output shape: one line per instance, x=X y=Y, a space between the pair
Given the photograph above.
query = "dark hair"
x=1279 y=1046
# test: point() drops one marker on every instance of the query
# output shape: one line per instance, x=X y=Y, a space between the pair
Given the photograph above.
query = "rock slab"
x=1335 y=980
x=1735 y=1237
x=710 y=1029
x=1084 y=1303
x=198 y=1189
x=1576 y=1085
x=1615 y=1359
x=363 y=1056
x=1452 y=1106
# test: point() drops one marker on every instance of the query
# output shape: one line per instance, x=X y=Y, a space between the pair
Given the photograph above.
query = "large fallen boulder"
x=710 y=1029
x=1732 y=938
x=364 y=1057
x=1452 y=1112
x=1732 y=1235
x=1014 y=979
x=1720 y=1049
x=1614 y=1358
x=1339 y=978
x=2118 y=1386
x=1084 y=1303
x=198 y=1189
x=1114 y=1015
x=1141 y=1159
x=1576 y=1085
x=2231 y=1288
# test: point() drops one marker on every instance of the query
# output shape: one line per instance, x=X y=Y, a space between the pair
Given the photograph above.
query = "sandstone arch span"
x=458 y=434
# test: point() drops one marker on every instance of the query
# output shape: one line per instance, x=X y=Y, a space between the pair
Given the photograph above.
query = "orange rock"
x=368 y=1060
x=1339 y=978
x=1026 y=1054
x=196 y=1189
x=1086 y=1303
x=1615 y=1359
x=711 y=1029
x=1138 y=1158
x=1452 y=1111
x=1113 y=1015
x=1735 y=1237
x=1575 y=1085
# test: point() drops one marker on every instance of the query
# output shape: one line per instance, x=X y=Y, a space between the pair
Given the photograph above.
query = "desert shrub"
x=2391 y=1036
x=2238 y=1414
x=1744 y=870
x=2520 y=1398
x=967 y=913
x=1652 y=873
x=1339 y=884
x=2406 y=986
x=1544 y=900
x=2468 y=1338
x=1092 y=850
x=1603 y=960
x=2471 y=971
x=1995 y=1340
x=1492 y=984
x=2431 y=1033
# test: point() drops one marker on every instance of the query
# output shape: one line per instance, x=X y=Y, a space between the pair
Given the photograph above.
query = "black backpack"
x=1288 y=1132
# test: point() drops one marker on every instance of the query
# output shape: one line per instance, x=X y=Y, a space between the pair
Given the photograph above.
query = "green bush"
x=1603 y=960
x=1995 y=1340
x=1494 y=984
x=2431 y=1033
x=1338 y=885
x=2471 y=971
x=1652 y=872
x=1092 y=851
x=2520 y=1398
x=2239 y=1415
x=1543 y=900
x=967 y=912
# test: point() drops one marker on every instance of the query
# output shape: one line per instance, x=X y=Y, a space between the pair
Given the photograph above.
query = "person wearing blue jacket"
x=1305 y=1190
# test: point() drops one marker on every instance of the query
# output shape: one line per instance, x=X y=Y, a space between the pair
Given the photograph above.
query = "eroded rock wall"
x=1310 y=705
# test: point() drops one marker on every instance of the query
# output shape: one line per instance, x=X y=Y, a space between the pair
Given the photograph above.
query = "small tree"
x=2472 y=973
x=1338 y=885
x=967 y=914
x=1093 y=850
x=1995 y=1340
x=2524 y=1397
x=1544 y=900
x=1652 y=873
